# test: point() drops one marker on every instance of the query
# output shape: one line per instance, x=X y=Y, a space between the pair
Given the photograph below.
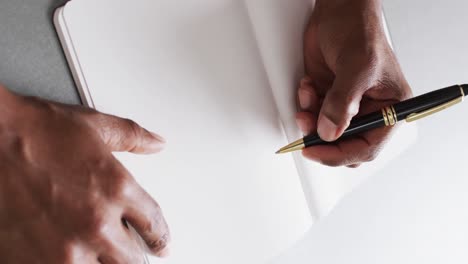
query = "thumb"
x=340 y=105
x=124 y=135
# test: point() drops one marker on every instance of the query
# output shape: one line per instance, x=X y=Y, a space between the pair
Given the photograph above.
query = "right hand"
x=351 y=71
x=64 y=198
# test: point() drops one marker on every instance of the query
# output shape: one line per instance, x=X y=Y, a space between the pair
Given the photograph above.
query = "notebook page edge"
x=72 y=59
x=304 y=185
x=309 y=194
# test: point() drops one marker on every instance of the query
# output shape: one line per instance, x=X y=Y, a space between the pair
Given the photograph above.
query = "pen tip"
x=296 y=145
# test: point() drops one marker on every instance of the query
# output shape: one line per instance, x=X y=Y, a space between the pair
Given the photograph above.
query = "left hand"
x=64 y=198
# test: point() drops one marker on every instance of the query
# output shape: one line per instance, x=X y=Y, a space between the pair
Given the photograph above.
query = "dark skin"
x=351 y=70
x=63 y=196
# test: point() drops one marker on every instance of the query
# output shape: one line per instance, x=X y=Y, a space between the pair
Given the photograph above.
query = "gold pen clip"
x=417 y=116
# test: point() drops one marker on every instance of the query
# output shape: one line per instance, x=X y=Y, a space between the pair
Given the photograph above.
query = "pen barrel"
x=427 y=101
x=357 y=126
x=402 y=111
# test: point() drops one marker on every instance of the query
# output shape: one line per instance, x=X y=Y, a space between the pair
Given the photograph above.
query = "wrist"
x=351 y=23
x=349 y=5
x=362 y=12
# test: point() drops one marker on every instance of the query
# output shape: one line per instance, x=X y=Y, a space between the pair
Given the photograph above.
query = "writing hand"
x=351 y=70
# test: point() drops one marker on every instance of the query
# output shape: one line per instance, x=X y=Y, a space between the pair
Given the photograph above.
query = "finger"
x=340 y=105
x=145 y=215
x=307 y=122
x=118 y=254
x=334 y=155
x=354 y=166
x=119 y=247
x=307 y=97
x=349 y=152
x=84 y=257
x=125 y=135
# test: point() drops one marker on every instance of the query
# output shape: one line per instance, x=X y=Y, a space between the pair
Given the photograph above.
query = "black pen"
x=409 y=110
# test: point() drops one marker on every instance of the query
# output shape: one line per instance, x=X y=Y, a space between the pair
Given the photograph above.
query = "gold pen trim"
x=418 y=116
x=384 y=114
x=394 y=114
x=389 y=116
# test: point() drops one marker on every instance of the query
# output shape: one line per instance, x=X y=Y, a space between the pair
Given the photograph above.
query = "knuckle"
x=97 y=223
x=116 y=181
x=134 y=132
x=133 y=127
x=120 y=184
x=123 y=185
x=395 y=87
x=18 y=145
x=104 y=227
x=98 y=163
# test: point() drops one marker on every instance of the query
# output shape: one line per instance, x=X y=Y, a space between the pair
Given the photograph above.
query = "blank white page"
x=191 y=71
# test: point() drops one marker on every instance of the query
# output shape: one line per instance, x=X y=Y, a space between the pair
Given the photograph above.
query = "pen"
x=409 y=110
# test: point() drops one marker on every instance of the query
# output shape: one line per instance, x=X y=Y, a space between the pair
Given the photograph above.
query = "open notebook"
x=217 y=79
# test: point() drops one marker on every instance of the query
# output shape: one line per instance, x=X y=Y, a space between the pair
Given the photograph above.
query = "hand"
x=352 y=71
x=64 y=198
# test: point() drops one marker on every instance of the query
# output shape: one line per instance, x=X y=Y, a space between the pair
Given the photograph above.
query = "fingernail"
x=158 y=137
x=327 y=130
